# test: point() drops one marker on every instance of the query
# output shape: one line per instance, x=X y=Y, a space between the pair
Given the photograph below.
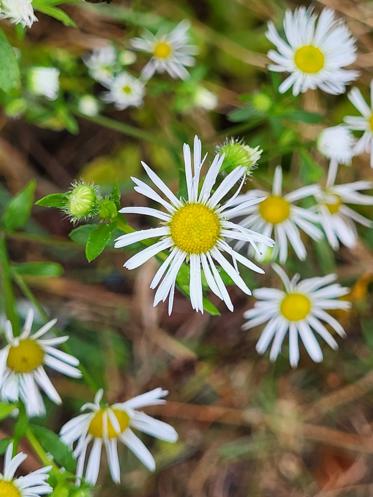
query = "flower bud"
x=107 y=210
x=237 y=154
x=82 y=201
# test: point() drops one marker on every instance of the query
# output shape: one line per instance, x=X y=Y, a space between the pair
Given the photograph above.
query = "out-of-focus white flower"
x=171 y=52
x=44 y=81
x=88 y=105
x=363 y=123
x=205 y=99
x=22 y=363
x=337 y=144
x=125 y=91
x=18 y=12
x=32 y=485
x=315 y=52
x=195 y=230
x=336 y=218
x=101 y=63
x=106 y=425
x=299 y=311
x=127 y=57
x=279 y=214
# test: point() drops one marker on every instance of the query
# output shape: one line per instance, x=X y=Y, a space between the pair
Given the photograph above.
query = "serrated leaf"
x=52 y=444
x=58 y=200
x=41 y=269
x=97 y=241
x=6 y=410
x=19 y=208
x=9 y=70
x=81 y=233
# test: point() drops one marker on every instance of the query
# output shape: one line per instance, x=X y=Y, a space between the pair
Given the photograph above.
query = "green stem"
x=9 y=298
x=38 y=449
x=124 y=128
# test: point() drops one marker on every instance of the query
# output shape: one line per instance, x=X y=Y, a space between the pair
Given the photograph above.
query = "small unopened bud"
x=107 y=210
x=81 y=202
x=261 y=102
x=88 y=105
x=237 y=154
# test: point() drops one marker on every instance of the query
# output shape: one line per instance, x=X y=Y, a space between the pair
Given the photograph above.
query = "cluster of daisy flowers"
x=170 y=52
x=23 y=377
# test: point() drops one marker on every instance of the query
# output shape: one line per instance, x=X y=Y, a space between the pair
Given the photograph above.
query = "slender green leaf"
x=41 y=269
x=9 y=70
x=6 y=410
x=19 y=208
x=81 y=233
x=52 y=444
x=58 y=200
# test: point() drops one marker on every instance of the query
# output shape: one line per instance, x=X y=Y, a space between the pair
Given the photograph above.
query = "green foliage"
x=9 y=71
x=18 y=210
x=40 y=269
x=98 y=239
x=6 y=410
x=58 y=200
x=52 y=443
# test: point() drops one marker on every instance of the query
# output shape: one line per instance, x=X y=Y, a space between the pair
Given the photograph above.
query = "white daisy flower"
x=22 y=363
x=337 y=144
x=125 y=91
x=315 y=51
x=363 y=123
x=44 y=81
x=336 y=218
x=278 y=214
x=106 y=425
x=101 y=63
x=171 y=52
x=300 y=310
x=18 y=12
x=194 y=230
x=32 y=485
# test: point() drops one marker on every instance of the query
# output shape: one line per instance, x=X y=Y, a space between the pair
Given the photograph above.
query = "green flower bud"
x=261 y=102
x=237 y=154
x=107 y=210
x=81 y=202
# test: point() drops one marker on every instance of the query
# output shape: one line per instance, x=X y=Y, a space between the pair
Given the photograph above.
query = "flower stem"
x=38 y=449
x=9 y=298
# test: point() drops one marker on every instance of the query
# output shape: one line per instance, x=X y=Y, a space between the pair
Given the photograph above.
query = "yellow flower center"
x=96 y=427
x=127 y=89
x=370 y=121
x=309 y=59
x=334 y=205
x=8 y=489
x=195 y=228
x=25 y=357
x=162 y=50
x=274 y=209
x=295 y=306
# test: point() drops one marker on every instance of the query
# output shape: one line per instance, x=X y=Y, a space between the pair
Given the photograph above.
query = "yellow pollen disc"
x=96 y=427
x=309 y=59
x=195 y=228
x=295 y=306
x=8 y=489
x=25 y=357
x=127 y=89
x=162 y=50
x=334 y=206
x=370 y=121
x=274 y=209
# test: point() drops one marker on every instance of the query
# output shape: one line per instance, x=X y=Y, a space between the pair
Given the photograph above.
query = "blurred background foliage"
x=247 y=427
